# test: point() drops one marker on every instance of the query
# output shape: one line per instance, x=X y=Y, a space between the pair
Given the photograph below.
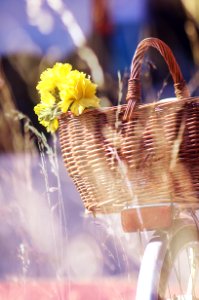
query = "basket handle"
x=134 y=89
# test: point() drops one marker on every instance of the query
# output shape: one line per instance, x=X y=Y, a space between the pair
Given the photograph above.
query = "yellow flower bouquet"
x=62 y=89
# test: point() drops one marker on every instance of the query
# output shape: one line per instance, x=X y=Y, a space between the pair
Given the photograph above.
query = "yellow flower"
x=51 y=126
x=62 y=89
x=47 y=116
x=53 y=78
x=48 y=98
x=78 y=93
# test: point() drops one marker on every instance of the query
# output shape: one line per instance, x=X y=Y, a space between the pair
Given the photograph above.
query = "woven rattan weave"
x=135 y=154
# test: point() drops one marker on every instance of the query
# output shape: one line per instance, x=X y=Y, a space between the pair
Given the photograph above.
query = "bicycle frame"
x=168 y=222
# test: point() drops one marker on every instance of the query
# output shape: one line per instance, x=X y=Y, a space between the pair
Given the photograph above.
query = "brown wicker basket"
x=136 y=154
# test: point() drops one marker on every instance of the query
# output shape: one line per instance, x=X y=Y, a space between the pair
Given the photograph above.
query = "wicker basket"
x=135 y=154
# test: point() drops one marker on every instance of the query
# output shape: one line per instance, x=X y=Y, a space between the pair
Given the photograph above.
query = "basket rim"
x=156 y=104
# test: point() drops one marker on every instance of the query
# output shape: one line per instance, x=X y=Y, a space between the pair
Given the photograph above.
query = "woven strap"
x=134 y=88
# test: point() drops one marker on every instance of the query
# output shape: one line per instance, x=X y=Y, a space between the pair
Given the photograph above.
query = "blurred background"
x=44 y=230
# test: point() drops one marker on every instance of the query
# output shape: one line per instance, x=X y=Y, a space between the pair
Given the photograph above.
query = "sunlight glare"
x=56 y=5
x=39 y=17
x=73 y=28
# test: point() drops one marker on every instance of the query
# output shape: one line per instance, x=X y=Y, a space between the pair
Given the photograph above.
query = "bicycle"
x=145 y=154
x=170 y=264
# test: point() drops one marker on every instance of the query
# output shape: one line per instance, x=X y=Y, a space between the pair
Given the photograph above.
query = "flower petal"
x=53 y=125
x=64 y=105
x=89 y=102
x=76 y=109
